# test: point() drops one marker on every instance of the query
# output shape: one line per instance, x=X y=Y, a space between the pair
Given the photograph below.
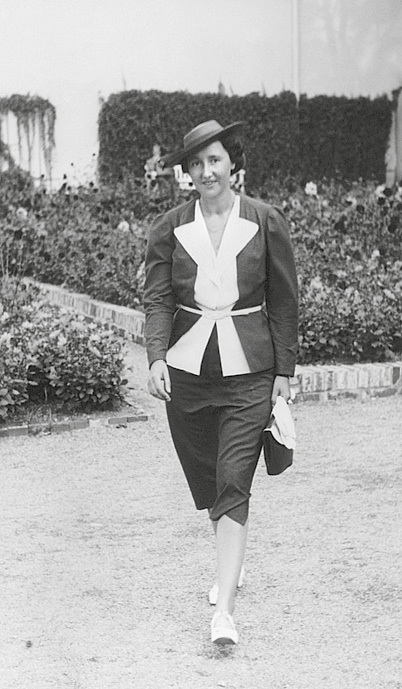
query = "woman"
x=221 y=333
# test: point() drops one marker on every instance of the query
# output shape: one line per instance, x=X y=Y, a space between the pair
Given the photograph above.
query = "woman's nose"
x=206 y=170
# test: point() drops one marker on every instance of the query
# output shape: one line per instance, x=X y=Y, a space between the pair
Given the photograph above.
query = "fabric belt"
x=218 y=314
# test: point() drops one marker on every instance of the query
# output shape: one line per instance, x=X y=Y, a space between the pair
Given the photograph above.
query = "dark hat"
x=202 y=135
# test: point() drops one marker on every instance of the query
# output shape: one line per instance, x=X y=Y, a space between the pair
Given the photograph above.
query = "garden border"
x=310 y=383
x=314 y=383
x=71 y=424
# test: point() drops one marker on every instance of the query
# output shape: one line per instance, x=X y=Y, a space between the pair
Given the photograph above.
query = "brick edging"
x=322 y=383
x=128 y=321
x=72 y=424
x=318 y=383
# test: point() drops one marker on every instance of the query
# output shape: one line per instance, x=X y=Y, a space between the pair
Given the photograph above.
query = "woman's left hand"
x=281 y=387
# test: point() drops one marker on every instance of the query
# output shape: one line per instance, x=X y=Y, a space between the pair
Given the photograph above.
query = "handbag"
x=279 y=439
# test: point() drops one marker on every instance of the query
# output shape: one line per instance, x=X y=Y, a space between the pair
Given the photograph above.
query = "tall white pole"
x=295 y=49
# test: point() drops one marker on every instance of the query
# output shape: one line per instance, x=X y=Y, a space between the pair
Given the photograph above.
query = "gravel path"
x=105 y=564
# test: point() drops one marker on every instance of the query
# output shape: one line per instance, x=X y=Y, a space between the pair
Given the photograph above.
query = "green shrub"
x=334 y=136
x=347 y=240
x=90 y=241
x=348 y=249
x=50 y=354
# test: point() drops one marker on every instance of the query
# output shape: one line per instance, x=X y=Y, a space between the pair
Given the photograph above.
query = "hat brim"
x=176 y=158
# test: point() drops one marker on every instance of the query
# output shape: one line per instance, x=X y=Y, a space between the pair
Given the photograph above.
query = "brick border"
x=323 y=383
x=128 y=321
x=316 y=383
x=71 y=425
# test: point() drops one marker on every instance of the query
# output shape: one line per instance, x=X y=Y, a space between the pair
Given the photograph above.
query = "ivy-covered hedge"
x=335 y=137
x=36 y=118
x=343 y=138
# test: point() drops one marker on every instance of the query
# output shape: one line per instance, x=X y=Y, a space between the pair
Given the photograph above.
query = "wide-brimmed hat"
x=202 y=135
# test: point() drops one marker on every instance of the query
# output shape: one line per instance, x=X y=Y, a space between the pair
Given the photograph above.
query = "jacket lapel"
x=238 y=233
x=195 y=239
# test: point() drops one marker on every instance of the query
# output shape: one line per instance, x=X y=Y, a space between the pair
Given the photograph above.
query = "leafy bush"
x=346 y=238
x=88 y=240
x=50 y=354
x=348 y=249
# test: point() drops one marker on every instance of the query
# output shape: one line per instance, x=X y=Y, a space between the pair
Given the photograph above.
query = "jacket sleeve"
x=281 y=293
x=159 y=298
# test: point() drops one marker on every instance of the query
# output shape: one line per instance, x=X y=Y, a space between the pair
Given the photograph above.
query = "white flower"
x=61 y=342
x=311 y=189
x=4 y=317
x=94 y=350
x=351 y=200
x=380 y=190
x=375 y=254
x=21 y=213
x=41 y=230
x=5 y=339
x=124 y=226
x=316 y=283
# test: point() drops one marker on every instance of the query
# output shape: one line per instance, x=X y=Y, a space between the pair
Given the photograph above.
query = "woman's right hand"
x=159 y=380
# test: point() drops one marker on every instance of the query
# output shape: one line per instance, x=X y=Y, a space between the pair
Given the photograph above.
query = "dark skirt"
x=216 y=425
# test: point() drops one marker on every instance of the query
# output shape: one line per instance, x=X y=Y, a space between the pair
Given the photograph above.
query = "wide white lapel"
x=195 y=239
x=238 y=233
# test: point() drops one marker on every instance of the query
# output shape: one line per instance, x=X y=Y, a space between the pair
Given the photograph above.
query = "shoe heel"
x=223 y=636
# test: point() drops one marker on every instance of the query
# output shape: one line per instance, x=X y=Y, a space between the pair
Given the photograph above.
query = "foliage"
x=33 y=114
x=343 y=138
x=53 y=355
x=348 y=249
x=87 y=239
x=333 y=136
x=132 y=121
x=346 y=237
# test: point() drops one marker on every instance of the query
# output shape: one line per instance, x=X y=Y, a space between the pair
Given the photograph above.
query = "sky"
x=74 y=52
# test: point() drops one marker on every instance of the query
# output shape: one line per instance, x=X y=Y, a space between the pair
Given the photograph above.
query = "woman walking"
x=221 y=334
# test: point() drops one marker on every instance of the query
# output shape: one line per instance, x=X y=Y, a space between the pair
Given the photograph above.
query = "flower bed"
x=50 y=355
x=347 y=240
x=348 y=248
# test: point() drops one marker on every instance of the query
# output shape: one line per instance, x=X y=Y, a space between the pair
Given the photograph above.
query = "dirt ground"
x=105 y=563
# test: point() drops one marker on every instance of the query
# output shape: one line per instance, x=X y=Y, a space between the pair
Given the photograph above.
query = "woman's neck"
x=218 y=206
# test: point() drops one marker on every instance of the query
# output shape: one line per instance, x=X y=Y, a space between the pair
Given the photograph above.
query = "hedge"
x=324 y=136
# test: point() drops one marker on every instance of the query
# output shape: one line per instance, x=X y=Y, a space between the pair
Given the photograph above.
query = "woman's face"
x=210 y=170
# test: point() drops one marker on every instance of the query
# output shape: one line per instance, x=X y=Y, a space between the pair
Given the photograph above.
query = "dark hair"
x=231 y=143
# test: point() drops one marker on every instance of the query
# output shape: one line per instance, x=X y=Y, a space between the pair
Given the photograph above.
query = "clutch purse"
x=279 y=439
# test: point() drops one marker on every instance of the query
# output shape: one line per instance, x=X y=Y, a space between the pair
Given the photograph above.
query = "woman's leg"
x=231 y=540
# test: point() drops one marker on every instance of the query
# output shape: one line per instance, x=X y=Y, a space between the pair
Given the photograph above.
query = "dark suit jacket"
x=265 y=273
